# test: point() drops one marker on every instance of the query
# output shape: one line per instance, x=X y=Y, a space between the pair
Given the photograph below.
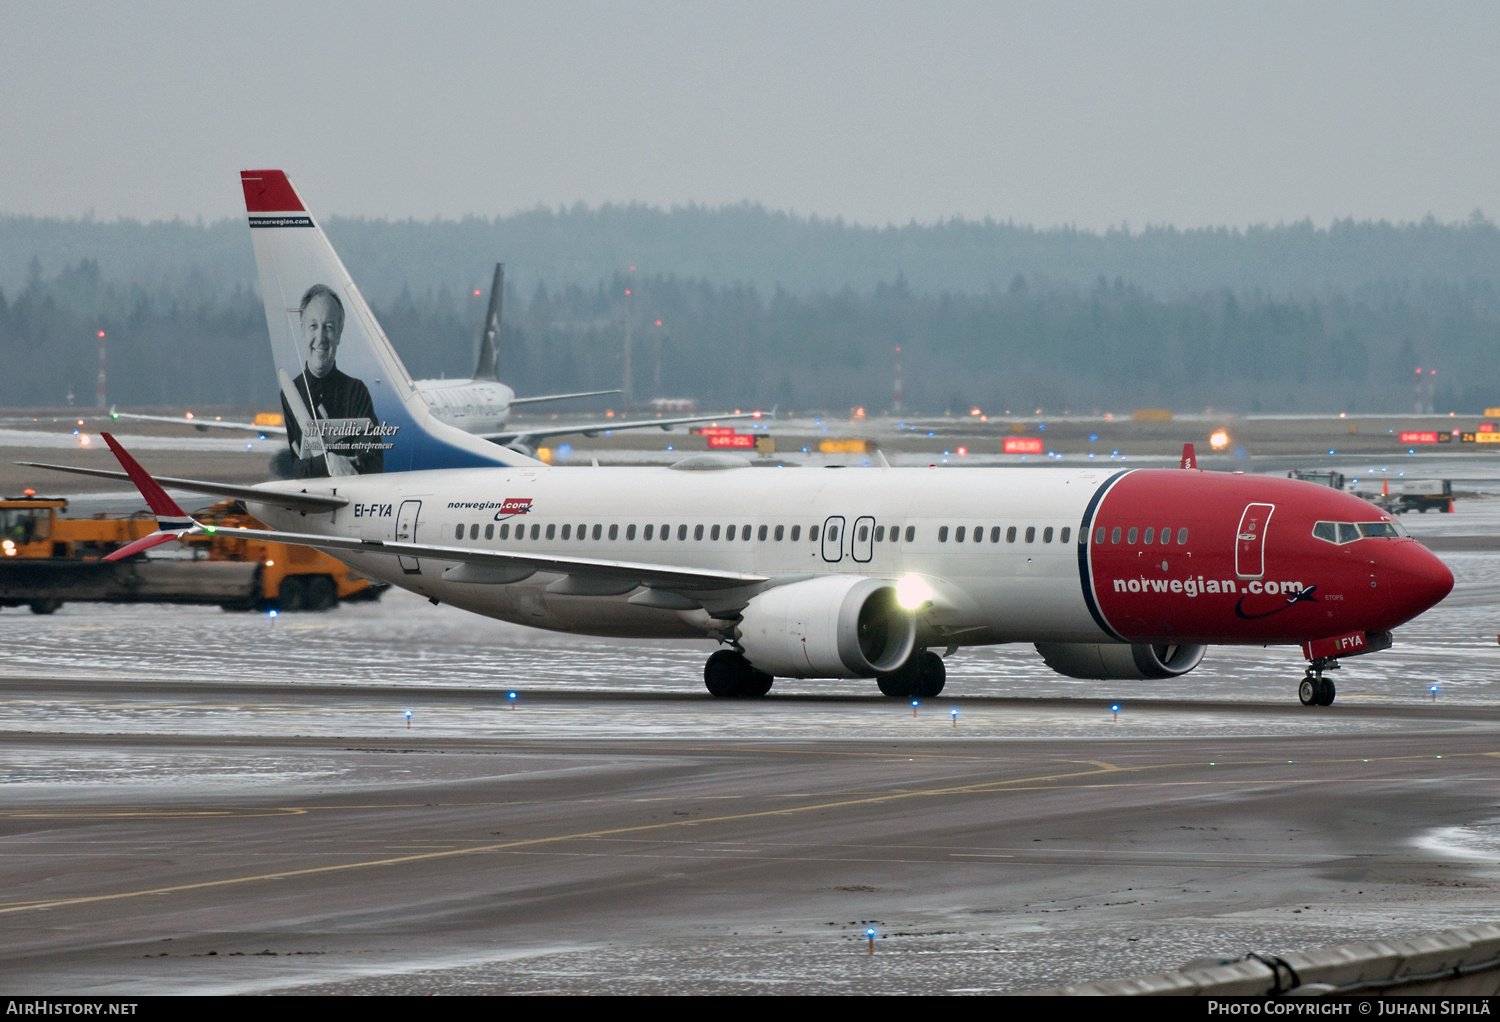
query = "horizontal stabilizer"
x=310 y=502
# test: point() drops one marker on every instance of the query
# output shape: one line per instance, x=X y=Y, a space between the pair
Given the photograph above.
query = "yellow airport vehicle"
x=48 y=559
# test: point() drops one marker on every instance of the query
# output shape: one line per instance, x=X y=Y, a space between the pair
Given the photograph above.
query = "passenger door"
x=406 y=532
x=1250 y=541
x=862 y=539
x=833 y=539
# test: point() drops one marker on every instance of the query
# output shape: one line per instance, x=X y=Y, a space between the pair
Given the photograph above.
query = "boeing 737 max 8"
x=799 y=572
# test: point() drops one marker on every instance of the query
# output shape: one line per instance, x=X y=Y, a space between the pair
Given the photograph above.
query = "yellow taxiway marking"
x=983 y=787
x=976 y=788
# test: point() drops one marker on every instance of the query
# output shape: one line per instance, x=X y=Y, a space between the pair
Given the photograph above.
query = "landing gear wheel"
x=1308 y=691
x=932 y=677
x=923 y=675
x=903 y=681
x=728 y=674
x=756 y=683
x=45 y=606
x=1325 y=698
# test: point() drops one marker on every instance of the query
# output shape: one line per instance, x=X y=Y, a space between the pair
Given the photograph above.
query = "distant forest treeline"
x=1036 y=342
x=769 y=251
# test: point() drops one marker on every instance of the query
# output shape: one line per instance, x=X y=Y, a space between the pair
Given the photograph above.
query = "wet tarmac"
x=199 y=801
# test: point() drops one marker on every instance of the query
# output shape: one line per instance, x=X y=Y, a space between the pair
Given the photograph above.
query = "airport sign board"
x=732 y=439
x=714 y=430
x=1425 y=437
x=1021 y=445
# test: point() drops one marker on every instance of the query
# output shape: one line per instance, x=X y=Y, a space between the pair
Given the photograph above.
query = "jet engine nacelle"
x=836 y=626
x=1122 y=661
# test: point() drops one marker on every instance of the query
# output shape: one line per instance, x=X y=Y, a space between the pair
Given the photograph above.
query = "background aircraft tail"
x=489 y=339
x=349 y=404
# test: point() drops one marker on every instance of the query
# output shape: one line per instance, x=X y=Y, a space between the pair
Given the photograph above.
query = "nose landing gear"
x=1315 y=689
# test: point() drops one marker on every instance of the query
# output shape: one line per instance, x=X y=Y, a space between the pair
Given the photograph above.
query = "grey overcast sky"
x=1047 y=113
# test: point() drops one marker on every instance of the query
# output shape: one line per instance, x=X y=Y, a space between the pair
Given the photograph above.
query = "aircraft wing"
x=560 y=397
x=244 y=427
x=595 y=428
x=663 y=575
x=313 y=503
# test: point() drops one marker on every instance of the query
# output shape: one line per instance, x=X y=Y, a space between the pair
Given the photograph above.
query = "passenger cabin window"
x=1130 y=537
x=1114 y=535
x=812 y=533
x=1031 y=533
x=458 y=532
x=597 y=529
x=682 y=532
x=1166 y=535
x=551 y=531
x=796 y=532
x=943 y=534
x=630 y=532
x=833 y=533
x=879 y=533
x=745 y=533
x=1150 y=537
x=779 y=529
x=648 y=532
x=568 y=531
x=1182 y=537
x=489 y=531
x=536 y=530
x=762 y=533
x=1099 y=534
x=864 y=533
x=1010 y=534
x=698 y=532
x=979 y=533
x=1067 y=530
x=1047 y=534
x=614 y=531
x=958 y=534
x=712 y=533
x=911 y=533
x=995 y=534
x=505 y=531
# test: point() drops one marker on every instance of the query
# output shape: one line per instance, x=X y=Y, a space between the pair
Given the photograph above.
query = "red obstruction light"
x=101 y=333
x=476 y=292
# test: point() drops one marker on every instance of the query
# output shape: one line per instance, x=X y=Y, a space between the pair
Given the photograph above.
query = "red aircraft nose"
x=1413 y=578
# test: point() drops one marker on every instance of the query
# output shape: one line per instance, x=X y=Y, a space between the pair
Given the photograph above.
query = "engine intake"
x=836 y=626
x=1137 y=662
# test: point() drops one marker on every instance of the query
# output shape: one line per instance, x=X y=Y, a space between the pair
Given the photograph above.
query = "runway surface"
x=196 y=801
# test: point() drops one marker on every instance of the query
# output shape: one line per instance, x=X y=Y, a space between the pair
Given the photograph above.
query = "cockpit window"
x=1348 y=532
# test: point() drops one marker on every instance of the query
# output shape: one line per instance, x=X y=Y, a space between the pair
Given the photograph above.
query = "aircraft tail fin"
x=489 y=337
x=350 y=407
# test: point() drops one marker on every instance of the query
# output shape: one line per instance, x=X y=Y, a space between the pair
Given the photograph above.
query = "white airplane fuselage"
x=475 y=406
x=994 y=592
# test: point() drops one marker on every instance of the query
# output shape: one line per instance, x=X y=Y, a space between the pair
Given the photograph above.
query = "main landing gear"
x=1315 y=689
x=923 y=675
x=728 y=674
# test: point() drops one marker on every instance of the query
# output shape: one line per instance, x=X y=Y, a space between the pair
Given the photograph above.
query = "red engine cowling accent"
x=1185 y=557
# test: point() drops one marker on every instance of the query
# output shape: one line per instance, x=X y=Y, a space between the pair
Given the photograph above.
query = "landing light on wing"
x=912 y=592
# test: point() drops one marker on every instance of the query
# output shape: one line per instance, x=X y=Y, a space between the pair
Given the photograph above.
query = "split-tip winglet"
x=172 y=522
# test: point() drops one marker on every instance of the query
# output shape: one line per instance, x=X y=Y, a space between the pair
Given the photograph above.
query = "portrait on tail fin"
x=330 y=418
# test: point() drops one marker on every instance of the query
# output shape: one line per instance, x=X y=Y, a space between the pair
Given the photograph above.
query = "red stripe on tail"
x=161 y=505
x=269 y=191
